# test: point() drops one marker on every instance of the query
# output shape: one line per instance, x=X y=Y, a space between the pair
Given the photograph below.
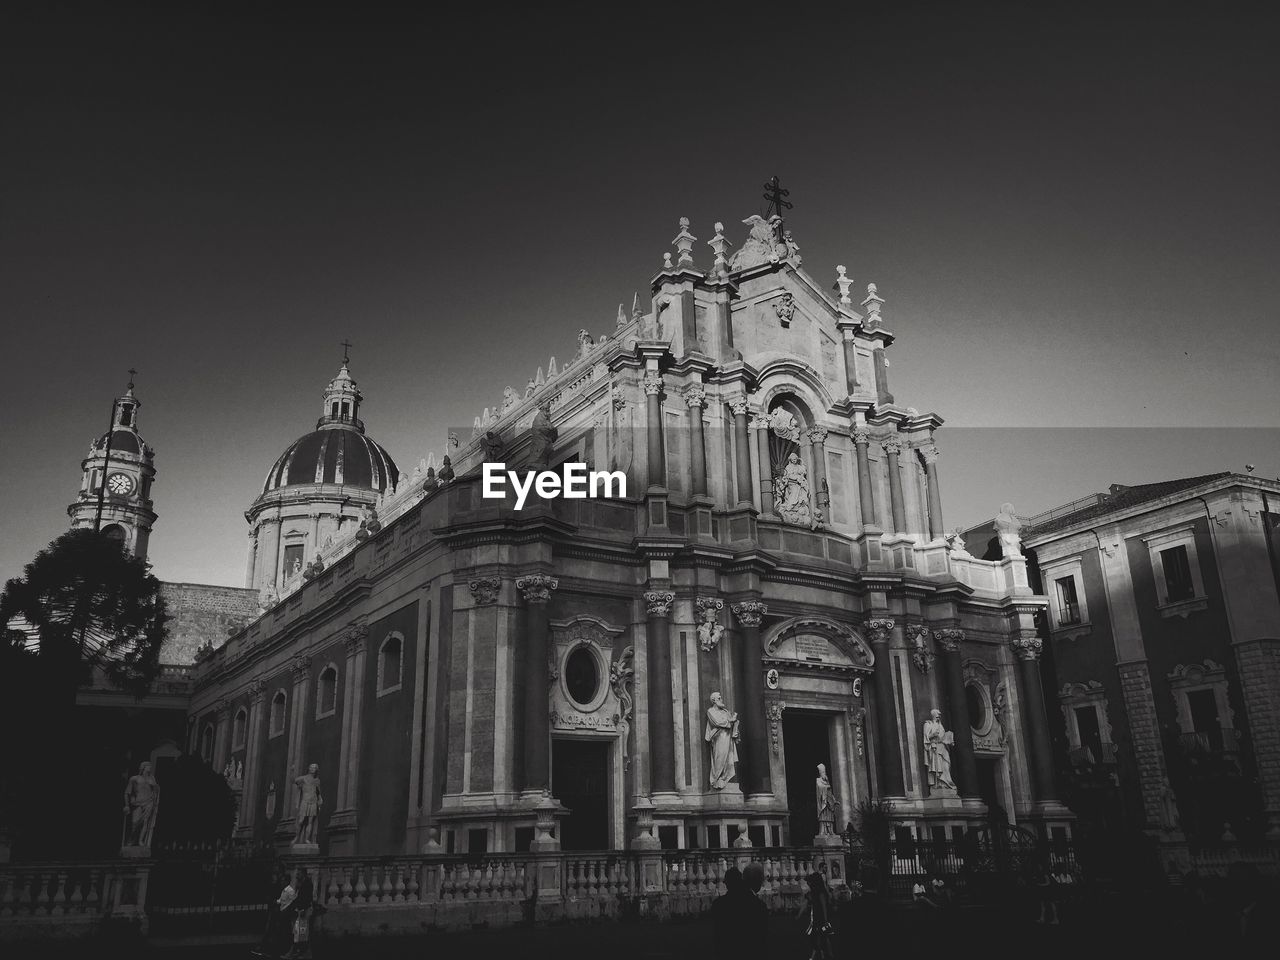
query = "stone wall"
x=202 y=613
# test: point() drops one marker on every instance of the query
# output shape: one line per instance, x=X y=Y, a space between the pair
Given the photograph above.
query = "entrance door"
x=989 y=787
x=580 y=781
x=806 y=739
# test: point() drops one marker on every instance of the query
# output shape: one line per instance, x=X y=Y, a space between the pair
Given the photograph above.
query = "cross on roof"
x=774 y=194
x=132 y=373
x=346 y=346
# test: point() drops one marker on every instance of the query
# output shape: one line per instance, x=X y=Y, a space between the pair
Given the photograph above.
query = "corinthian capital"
x=750 y=613
x=880 y=630
x=861 y=435
x=949 y=639
x=930 y=453
x=355 y=637
x=301 y=668
x=695 y=395
x=484 y=590
x=1026 y=647
x=892 y=445
x=738 y=405
x=658 y=604
x=653 y=383
x=818 y=434
x=537 y=587
x=257 y=688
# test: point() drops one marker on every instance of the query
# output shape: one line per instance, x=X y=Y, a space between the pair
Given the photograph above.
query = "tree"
x=83 y=604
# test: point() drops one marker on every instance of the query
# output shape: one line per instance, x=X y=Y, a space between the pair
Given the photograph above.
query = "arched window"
x=327 y=692
x=390 y=664
x=115 y=533
x=276 y=726
x=238 y=729
x=206 y=745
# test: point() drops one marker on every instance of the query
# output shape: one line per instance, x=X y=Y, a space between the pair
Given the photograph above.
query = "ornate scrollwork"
x=355 y=636
x=880 y=630
x=750 y=613
x=921 y=655
x=861 y=435
x=785 y=308
x=774 y=712
x=622 y=674
x=695 y=395
x=1026 y=647
x=537 y=587
x=930 y=452
x=892 y=445
x=484 y=590
x=301 y=668
x=709 y=631
x=658 y=604
x=738 y=405
x=653 y=384
x=818 y=434
x=949 y=639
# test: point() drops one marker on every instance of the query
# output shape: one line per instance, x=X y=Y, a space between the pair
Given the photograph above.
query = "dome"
x=122 y=441
x=335 y=454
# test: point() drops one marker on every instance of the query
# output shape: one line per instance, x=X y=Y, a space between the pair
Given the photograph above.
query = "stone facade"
x=540 y=678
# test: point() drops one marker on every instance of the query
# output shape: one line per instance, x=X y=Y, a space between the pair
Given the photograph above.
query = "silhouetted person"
x=733 y=919
x=817 y=912
x=756 y=913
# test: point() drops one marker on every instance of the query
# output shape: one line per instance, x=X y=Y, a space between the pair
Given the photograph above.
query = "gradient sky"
x=1072 y=217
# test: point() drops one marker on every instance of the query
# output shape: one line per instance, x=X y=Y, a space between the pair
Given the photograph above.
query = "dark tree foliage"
x=197 y=805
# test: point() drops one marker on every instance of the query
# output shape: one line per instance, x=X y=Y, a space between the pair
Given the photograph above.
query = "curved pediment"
x=818 y=640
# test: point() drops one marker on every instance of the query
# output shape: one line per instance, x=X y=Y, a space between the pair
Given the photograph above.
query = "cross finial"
x=132 y=373
x=346 y=346
x=775 y=196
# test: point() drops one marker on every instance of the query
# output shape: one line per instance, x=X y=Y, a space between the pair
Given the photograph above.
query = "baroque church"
x=775 y=591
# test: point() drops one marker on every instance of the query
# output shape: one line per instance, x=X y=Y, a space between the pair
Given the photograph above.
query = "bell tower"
x=116 y=477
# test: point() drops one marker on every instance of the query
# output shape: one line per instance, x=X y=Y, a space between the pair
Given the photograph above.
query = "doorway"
x=989 y=787
x=580 y=781
x=806 y=738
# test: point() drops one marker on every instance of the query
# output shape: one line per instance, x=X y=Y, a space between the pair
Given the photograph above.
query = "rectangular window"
x=292 y=557
x=1203 y=705
x=1068 y=601
x=524 y=839
x=669 y=838
x=1177 y=574
x=478 y=840
x=1090 y=735
x=713 y=837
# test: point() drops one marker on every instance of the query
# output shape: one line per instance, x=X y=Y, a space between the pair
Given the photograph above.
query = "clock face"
x=120 y=484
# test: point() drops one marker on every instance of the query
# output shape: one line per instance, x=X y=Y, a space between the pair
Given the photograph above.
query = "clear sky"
x=1072 y=217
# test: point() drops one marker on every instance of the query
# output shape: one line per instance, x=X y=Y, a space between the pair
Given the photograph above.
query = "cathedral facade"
x=775 y=591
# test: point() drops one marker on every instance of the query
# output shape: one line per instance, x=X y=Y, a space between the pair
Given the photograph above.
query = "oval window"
x=581 y=677
x=977 y=707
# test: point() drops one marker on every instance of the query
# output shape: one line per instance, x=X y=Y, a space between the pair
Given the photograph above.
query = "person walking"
x=816 y=913
x=279 y=930
x=303 y=909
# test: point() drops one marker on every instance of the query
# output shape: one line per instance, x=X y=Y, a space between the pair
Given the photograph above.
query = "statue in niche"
x=310 y=800
x=723 y=734
x=141 y=803
x=709 y=631
x=1007 y=526
x=791 y=492
x=826 y=803
x=240 y=770
x=543 y=436
x=937 y=753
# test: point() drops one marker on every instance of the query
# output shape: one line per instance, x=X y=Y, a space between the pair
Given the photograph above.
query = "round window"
x=581 y=677
x=977 y=707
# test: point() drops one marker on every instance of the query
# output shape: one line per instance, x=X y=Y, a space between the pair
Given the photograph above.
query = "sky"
x=1070 y=213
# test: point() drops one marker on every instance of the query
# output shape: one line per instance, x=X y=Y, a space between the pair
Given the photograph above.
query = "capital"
x=257 y=688
x=1026 y=647
x=861 y=436
x=653 y=384
x=738 y=405
x=658 y=604
x=750 y=613
x=484 y=590
x=537 y=587
x=949 y=639
x=929 y=452
x=880 y=630
x=892 y=445
x=221 y=708
x=355 y=637
x=818 y=434
x=695 y=395
x=301 y=668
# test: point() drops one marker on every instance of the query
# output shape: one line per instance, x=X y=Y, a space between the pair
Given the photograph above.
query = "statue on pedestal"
x=937 y=754
x=791 y=492
x=723 y=735
x=141 y=803
x=826 y=804
x=542 y=436
x=1007 y=526
x=310 y=800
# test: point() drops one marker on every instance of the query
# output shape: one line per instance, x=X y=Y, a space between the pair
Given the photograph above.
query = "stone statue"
x=239 y=769
x=543 y=436
x=493 y=447
x=229 y=771
x=1007 y=526
x=791 y=492
x=826 y=804
x=297 y=567
x=723 y=735
x=310 y=800
x=709 y=631
x=955 y=544
x=1169 y=818
x=585 y=343
x=763 y=244
x=937 y=753
x=141 y=803
x=509 y=398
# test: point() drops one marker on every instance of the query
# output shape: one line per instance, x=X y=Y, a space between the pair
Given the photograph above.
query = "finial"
x=132 y=373
x=552 y=373
x=872 y=305
x=844 y=283
x=717 y=245
x=666 y=262
x=635 y=306
x=622 y=318
x=346 y=346
x=684 y=243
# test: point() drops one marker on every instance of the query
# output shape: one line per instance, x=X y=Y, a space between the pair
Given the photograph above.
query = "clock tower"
x=116 y=477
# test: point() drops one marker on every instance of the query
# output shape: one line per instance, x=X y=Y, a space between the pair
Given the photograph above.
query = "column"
x=249 y=794
x=274 y=578
x=662 y=731
x=818 y=450
x=930 y=454
x=221 y=733
x=742 y=450
x=653 y=409
x=696 y=398
x=296 y=762
x=965 y=766
x=882 y=377
x=766 y=471
x=352 y=699
x=253 y=555
x=888 y=747
x=892 y=447
x=1026 y=647
x=866 y=498
x=750 y=614
x=315 y=534
x=536 y=590
x=850 y=361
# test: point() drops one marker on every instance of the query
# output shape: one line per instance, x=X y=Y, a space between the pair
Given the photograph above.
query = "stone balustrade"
x=69 y=899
